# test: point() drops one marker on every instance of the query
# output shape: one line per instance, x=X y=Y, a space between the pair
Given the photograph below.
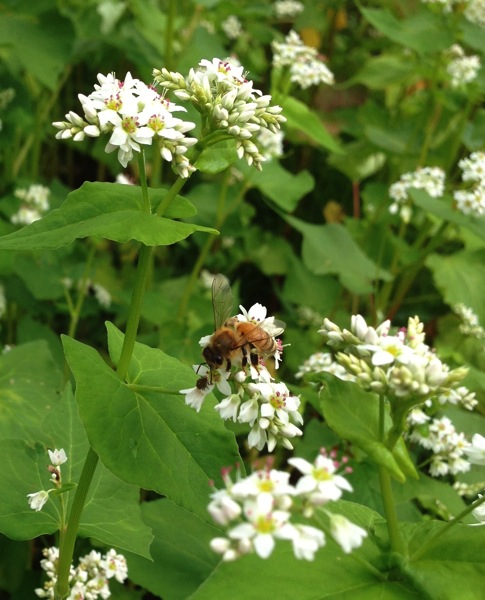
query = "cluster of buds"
x=400 y=366
x=448 y=447
x=462 y=69
x=257 y=510
x=470 y=324
x=429 y=179
x=250 y=393
x=471 y=201
x=90 y=579
x=227 y=102
x=35 y=202
x=37 y=500
x=132 y=114
x=305 y=66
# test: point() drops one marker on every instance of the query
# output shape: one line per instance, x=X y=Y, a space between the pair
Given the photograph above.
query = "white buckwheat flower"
x=132 y=114
x=462 y=69
x=305 y=66
x=287 y=9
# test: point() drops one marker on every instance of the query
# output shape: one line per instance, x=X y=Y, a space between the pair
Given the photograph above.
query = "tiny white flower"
x=347 y=535
x=476 y=452
x=57 y=457
x=38 y=499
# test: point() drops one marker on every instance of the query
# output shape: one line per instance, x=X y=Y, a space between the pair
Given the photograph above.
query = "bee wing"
x=277 y=328
x=255 y=334
x=222 y=302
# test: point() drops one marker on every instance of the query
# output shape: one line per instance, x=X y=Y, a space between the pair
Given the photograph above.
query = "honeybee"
x=235 y=340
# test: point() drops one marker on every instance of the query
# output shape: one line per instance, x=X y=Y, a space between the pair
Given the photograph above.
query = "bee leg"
x=244 y=361
x=228 y=365
x=254 y=359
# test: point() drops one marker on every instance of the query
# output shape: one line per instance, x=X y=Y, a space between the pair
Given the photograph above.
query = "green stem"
x=171 y=13
x=410 y=275
x=69 y=534
x=432 y=539
x=395 y=539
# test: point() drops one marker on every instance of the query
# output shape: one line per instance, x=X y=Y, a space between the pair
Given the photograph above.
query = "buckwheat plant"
x=146 y=409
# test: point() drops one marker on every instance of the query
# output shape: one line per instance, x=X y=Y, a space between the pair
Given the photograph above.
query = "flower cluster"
x=400 y=366
x=448 y=447
x=257 y=510
x=90 y=579
x=430 y=179
x=35 y=202
x=461 y=68
x=471 y=201
x=306 y=67
x=227 y=102
x=232 y=27
x=251 y=394
x=132 y=114
x=470 y=324
x=287 y=9
x=38 y=499
x=324 y=361
x=475 y=12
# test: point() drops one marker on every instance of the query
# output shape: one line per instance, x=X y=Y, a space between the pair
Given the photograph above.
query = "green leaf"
x=29 y=389
x=42 y=45
x=354 y=415
x=299 y=116
x=112 y=512
x=443 y=208
x=182 y=558
x=460 y=278
x=217 y=158
x=379 y=72
x=423 y=31
x=359 y=160
x=147 y=438
x=331 y=249
x=452 y=566
x=107 y=210
x=281 y=186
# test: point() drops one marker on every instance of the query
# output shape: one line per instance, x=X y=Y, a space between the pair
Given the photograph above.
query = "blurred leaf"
x=443 y=208
x=331 y=249
x=358 y=161
x=284 y=188
x=182 y=558
x=474 y=132
x=379 y=72
x=354 y=415
x=461 y=278
x=147 y=438
x=107 y=210
x=301 y=117
x=423 y=31
x=42 y=45
x=452 y=566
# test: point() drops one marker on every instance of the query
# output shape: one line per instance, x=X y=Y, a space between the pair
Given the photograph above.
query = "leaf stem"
x=69 y=533
x=432 y=539
x=395 y=539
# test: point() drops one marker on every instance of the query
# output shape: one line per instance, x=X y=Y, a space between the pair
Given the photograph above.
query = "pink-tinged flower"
x=57 y=457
